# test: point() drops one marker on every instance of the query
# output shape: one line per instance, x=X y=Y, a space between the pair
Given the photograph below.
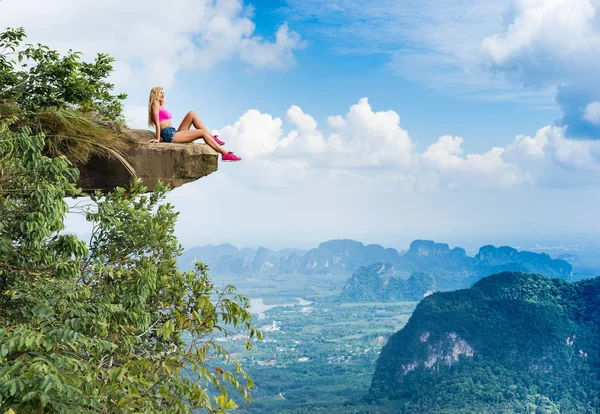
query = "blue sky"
x=328 y=75
x=463 y=121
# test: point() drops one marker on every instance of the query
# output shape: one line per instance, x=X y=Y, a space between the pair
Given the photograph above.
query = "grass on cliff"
x=71 y=133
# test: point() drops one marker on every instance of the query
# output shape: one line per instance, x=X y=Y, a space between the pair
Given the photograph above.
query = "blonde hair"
x=154 y=93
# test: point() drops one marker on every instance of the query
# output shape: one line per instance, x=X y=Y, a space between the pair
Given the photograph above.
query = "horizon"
x=535 y=245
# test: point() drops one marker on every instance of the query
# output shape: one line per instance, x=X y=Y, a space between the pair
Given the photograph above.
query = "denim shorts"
x=167 y=134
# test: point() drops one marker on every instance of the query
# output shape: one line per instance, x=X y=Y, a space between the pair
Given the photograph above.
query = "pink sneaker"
x=230 y=156
x=217 y=140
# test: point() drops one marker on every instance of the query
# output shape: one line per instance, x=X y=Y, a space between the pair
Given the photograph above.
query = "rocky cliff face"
x=173 y=164
x=511 y=331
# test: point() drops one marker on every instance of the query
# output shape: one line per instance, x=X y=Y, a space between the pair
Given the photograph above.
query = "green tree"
x=69 y=100
x=111 y=325
x=35 y=77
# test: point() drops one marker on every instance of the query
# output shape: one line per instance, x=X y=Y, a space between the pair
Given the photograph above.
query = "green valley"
x=513 y=343
x=316 y=357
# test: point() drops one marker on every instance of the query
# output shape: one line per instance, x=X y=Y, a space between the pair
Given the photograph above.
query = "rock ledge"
x=173 y=164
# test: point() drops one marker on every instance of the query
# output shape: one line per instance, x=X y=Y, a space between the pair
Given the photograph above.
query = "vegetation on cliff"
x=68 y=100
x=111 y=325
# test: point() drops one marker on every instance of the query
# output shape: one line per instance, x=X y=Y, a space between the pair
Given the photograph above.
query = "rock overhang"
x=173 y=164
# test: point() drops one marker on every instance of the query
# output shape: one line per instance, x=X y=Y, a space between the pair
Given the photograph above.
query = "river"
x=258 y=306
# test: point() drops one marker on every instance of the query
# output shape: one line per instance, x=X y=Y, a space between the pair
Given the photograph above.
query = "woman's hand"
x=153 y=140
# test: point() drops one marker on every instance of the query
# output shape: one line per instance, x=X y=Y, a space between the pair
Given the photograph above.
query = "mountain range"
x=451 y=268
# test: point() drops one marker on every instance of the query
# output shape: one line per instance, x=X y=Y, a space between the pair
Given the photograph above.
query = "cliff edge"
x=173 y=164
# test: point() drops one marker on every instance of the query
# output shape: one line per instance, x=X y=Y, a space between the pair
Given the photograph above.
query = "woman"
x=160 y=117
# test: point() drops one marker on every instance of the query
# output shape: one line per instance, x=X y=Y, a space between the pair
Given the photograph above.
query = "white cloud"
x=550 y=147
x=547 y=40
x=444 y=154
x=306 y=139
x=480 y=171
x=255 y=134
x=371 y=145
x=152 y=40
x=575 y=154
x=592 y=113
x=361 y=139
x=531 y=146
x=368 y=139
x=279 y=54
x=550 y=159
x=553 y=44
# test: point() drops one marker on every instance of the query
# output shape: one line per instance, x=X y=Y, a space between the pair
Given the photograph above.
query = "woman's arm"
x=155 y=109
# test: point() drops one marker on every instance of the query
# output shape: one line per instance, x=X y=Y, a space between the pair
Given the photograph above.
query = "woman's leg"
x=191 y=135
x=191 y=118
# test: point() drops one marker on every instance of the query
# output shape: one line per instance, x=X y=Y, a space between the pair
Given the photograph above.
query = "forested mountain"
x=514 y=341
x=451 y=268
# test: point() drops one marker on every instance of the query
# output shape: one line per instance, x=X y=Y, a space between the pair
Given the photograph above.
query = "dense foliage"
x=512 y=343
x=106 y=326
x=67 y=99
x=35 y=77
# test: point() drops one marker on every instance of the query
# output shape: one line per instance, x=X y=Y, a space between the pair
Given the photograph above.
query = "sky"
x=468 y=122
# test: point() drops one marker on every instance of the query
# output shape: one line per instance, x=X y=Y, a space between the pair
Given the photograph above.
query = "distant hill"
x=439 y=268
x=570 y=258
x=451 y=268
x=378 y=282
x=226 y=258
x=330 y=256
x=514 y=342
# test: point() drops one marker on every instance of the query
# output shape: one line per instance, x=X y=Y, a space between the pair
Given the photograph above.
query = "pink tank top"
x=164 y=115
